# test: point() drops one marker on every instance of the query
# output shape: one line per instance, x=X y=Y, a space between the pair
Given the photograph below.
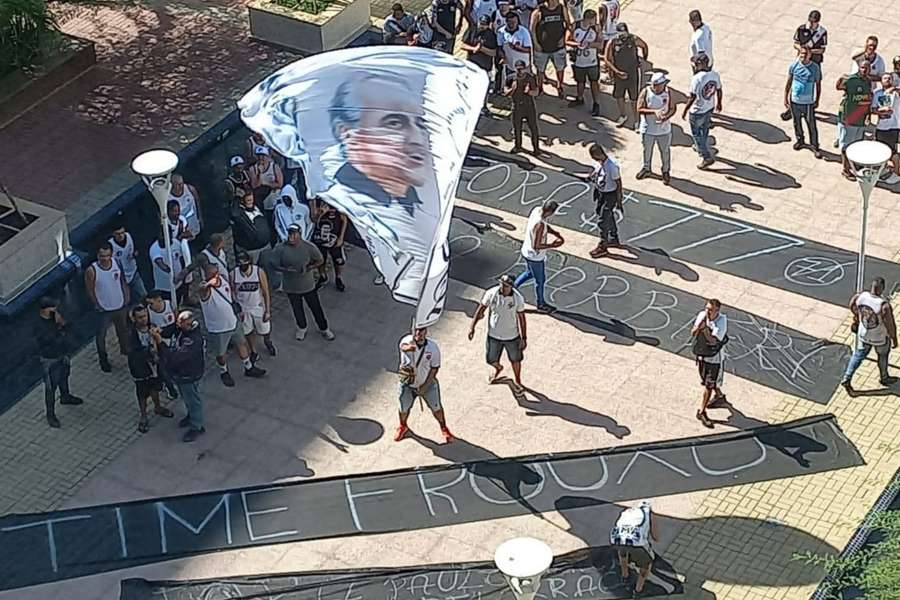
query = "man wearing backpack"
x=709 y=331
x=631 y=536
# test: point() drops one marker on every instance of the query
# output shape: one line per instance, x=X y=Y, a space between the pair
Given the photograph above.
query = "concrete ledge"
x=336 y=26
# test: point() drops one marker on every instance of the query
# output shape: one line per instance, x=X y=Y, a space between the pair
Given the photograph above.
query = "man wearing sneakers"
x=108 y=291
x=534 y=250
x=549 y=24
x=711 y=327
x=706 y=97
x=143 y=363
x=328 y=236
x=608 y=194
x=506 y=328
x=298 y=261
x=854 y=113
x=420 y=360
x=162 y=316
x=873 y=321
x=621 y=56
x=123 y=251
x=656 y=108
x=183 y=355
x=218 y=304
x=54 y=347
x=801 y=96
x=586 y=43
x=251 y=290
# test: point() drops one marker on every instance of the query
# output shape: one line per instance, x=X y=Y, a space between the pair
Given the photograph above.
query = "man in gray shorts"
x=420 y=360
x=506 y=328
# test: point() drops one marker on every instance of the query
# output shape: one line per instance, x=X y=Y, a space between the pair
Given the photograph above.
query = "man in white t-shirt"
x=534 y=250
x=420 y=360
x=608 y=194
x=876 y=62
x=701 y=38
x=873 y=321
x=711 y=327
x=886 y=106
x=515 y=42
x=706 y=97
x=506 y=328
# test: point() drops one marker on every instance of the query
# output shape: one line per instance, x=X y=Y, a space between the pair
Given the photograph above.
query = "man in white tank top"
x=655 y=109
x=873 y=321
x=251 y=290
x=585 y=42
x=217 y=303
x=108 y=291
x=124 y=252
x=189 y=201
x=162 y=316
x=534 y=250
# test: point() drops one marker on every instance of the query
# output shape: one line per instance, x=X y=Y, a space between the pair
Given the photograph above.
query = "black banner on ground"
x=590 y=573
x=39 y=548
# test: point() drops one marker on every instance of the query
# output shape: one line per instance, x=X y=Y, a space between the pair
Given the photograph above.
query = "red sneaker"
x=401 y=433
x=448 y=437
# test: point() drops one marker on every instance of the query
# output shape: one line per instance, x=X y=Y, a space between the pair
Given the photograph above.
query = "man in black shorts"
x=621 y=55
x=143 y=363
x=585 y=42
x=711 y=327
x=328 y=236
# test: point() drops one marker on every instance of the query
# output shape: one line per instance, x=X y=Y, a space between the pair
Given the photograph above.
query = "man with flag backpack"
x=631 y=536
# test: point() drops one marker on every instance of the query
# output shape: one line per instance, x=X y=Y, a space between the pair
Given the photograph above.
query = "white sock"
x=223 y=368
x=246 y=362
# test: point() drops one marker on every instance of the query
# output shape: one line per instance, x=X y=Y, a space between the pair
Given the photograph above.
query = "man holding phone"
x=607 y=182
x=54 y=347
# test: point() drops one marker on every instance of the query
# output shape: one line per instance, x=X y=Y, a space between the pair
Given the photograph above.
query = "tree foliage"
x=26 y=29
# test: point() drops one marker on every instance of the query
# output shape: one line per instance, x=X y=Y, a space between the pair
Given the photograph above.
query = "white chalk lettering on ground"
x=816 y=271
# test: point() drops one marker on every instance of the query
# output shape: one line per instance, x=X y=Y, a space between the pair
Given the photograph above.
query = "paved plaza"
x=329 y=408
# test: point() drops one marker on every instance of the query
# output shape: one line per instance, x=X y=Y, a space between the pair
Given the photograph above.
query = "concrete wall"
x=340 y=23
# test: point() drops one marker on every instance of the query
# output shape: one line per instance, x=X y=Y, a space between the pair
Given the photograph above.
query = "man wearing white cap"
x=237 y=180
x=655 y=109
x=506 y=328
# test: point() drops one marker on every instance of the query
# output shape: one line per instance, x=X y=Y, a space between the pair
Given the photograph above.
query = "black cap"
x=815 y=15
x=484 y=19
x=622 y=28
x=47 y=302
x=243 y=256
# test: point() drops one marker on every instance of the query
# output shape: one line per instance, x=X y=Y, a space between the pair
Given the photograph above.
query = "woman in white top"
x=655 y=107
x=534 y=250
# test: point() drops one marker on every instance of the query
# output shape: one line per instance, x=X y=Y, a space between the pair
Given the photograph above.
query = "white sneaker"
x=327 y=334
x=301 y=334
x=892 y=179
x=379 y=280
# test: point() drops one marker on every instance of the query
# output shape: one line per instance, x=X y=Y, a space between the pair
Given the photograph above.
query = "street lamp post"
x=868 y=159
x=523 y=561
x=155 y=168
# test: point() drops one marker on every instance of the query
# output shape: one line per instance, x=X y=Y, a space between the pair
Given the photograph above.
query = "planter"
x=20 y=90
x=336 y=26
x=30 y=248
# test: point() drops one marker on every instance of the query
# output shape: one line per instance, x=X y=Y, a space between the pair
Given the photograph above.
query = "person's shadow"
x=724 y=199
x=758 y=130
x=354 y=431
x=758 y=175
x=542 y=406
x=656 y=259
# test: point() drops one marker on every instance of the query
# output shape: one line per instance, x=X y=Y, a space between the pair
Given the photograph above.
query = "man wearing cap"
x=506 y=328
x=515 y=41
x=54 y=347
x=621 y=56
x=237 y=181
x=522 y=87
x=397 y=26
x=251 y=292
x=706 y=97
x=549 y=25
x=813 y=36
x=534 y=250
x=183 y=356
x=656 y=108
x=801 y=96
x=480 y=43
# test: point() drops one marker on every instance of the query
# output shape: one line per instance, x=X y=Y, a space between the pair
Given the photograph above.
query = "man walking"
x=107 y=290
x=656 y=108
x=586 y=42
x=125 y=253
x=143 y=363
x=854 y=114
x=522 y=87
x=701 y=38
x=298 y=260
x=251 y=291
x=710 y=331
x=608 y=194
x=506 y=328
x=534 y=250
x=54 y=345
x=801 y=96
x=706 y=96
x=621 y=56
x=221 y=320
x=183 y=355
x=873 y=321
x=549 y=25
x=420 y=360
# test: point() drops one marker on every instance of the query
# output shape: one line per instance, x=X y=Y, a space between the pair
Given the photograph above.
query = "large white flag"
x=381 y=133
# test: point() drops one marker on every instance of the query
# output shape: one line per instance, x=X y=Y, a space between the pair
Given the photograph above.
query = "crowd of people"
x=284 y=239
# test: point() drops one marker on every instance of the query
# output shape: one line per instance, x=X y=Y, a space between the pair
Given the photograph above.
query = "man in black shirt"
x=812 y=35
x=549 y=24
x=481 y=44
x=522 y=87
x=54 y=346
x=446 y=20
x=622 y=57
x=249 y=227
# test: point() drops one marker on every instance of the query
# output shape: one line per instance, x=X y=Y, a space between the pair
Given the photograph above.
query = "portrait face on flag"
x=381 y=133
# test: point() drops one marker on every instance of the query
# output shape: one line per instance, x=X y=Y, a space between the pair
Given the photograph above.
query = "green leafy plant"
x=27 y=30
x=312 y=7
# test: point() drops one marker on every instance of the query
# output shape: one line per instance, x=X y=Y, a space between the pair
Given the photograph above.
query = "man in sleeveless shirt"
x=124 y=251
x=534 y=250
x=108 y=292
x=586 y=42
x=189 y=202
x=655 y=109
x=162 y=316
x=622 y=58
x=251 y=290
x=549 y=25
x=873 y=321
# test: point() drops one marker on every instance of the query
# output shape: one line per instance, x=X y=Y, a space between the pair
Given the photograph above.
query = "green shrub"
x=26 y=29
x=312 y=7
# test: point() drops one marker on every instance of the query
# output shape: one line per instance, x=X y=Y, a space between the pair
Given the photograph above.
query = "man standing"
x=447 y=18
x=549 y=25
x=656 y=108
x=701 y=38
x=515 y=41
x=621 y=56
x=522 y=87
x=506 y=328
x=586 y=42
x=854 y=114
x=709 y=331
x=328 y=236
x=237 y=181
x=534 y=250
x=801 y=95
x=143 y=363
x=189 y=202
x=812 y=36
x=218 y=304
x=54 y=346
x=162 y=316
x=159 y=259
x=249 y=227
x=886 y=105
x=290 y=210
x=631 y=536
x=608 y=195
x=876 y=62
x=267 y=179
x=124 y=252
x=397 y=26
x=480 y=43
x=873 y=321
x=107 y=290
x=895 y=75
x=706 y=97
x=297 y=260
x=251 y=290
x=420 y=360
x=183 y=356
